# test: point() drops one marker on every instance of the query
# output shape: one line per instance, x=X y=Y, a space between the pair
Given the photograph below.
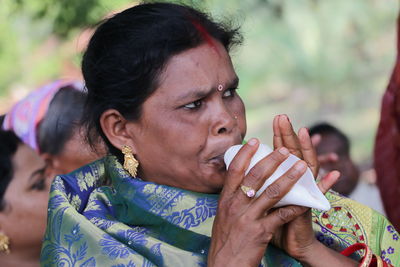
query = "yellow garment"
x=349 y=222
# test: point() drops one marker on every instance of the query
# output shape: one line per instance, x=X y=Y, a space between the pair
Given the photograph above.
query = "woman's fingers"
x=277 y=140
x=239 y=165
x=262 y=170
x=277 y=190
x=328 y=181
x=282 y=215
x=308 y=151
x=286 y=214
x=288 y=136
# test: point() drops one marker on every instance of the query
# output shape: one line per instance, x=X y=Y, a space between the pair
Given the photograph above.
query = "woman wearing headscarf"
x=47 y=125
x=49 y=121
x=162 y=94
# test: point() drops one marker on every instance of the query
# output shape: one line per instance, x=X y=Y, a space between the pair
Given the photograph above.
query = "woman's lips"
x=216 y=157
x=218 y=162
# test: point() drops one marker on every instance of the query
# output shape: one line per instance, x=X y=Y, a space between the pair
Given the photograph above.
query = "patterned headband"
x=26 y=114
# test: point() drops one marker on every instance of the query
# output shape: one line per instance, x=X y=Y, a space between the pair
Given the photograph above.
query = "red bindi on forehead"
x=205 y=35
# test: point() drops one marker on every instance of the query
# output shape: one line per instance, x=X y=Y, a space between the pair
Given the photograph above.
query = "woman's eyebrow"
x=198 y=93
x=195 y=93
x=234 y=83
x=38 y=171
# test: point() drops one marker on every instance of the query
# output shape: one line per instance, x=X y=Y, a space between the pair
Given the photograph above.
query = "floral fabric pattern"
x=100 y=216
x=113 y=248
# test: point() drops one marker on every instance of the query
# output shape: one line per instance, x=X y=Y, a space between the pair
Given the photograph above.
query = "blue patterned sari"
x=100 y=216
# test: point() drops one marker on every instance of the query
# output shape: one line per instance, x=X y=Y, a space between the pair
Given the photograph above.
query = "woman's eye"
x=194 y=105
x=39 y=185
x=229 y=93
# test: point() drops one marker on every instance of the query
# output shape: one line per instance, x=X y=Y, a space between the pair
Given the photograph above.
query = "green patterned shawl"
x=100 y=216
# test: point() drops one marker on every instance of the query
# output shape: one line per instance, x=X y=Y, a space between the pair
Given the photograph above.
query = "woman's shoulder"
x=70 y=234
x=76 y=186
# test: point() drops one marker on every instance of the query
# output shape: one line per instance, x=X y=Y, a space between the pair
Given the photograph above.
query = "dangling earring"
x=4 y=243
x=130 y=163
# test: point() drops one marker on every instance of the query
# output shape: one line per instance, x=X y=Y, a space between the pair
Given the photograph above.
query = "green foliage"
x=67 y=15
x=36 y=37
x=312 y=59
x=316 y=60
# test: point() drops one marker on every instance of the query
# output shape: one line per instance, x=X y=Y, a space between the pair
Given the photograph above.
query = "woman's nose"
x=224 y=121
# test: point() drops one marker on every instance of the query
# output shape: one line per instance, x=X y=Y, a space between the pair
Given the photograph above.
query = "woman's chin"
x=214 y=179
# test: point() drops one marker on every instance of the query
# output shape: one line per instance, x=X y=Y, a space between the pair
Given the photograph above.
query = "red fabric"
x=358 y=246
x=387 y=144
x=353 y=248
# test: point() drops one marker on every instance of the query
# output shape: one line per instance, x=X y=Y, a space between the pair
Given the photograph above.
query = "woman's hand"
x=244 y=226
x=297 y=236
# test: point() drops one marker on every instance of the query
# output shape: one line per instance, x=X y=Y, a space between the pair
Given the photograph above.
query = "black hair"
x=61 y=121
x=128 y=51
x=325 y=128
x=2 y=117
x=8 y=146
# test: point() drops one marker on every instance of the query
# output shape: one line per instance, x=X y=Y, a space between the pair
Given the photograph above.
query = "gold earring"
x=130 y=163
x=4 y=243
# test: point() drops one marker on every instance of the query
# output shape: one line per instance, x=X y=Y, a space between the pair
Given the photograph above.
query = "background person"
x=334 y=148
x=24 y=191
x=49 y=121
x=386 y=149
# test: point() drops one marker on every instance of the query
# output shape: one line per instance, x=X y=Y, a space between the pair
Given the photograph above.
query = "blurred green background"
x=315 y=60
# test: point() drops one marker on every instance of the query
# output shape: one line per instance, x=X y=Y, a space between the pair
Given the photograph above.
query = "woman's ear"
x=51 y=165
x=115 y=127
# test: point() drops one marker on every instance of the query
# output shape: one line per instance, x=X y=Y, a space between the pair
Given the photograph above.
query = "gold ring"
x=248 y=191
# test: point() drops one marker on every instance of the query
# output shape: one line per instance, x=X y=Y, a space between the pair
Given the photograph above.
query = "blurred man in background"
x=333 y=149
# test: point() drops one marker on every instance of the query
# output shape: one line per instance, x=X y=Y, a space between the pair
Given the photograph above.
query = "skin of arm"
x=320 y=255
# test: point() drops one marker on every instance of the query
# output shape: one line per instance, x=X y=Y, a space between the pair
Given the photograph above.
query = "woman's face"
x=191 y=119
x=23 y=219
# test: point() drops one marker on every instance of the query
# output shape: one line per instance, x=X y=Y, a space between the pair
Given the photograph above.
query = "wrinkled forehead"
x=203 y=66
